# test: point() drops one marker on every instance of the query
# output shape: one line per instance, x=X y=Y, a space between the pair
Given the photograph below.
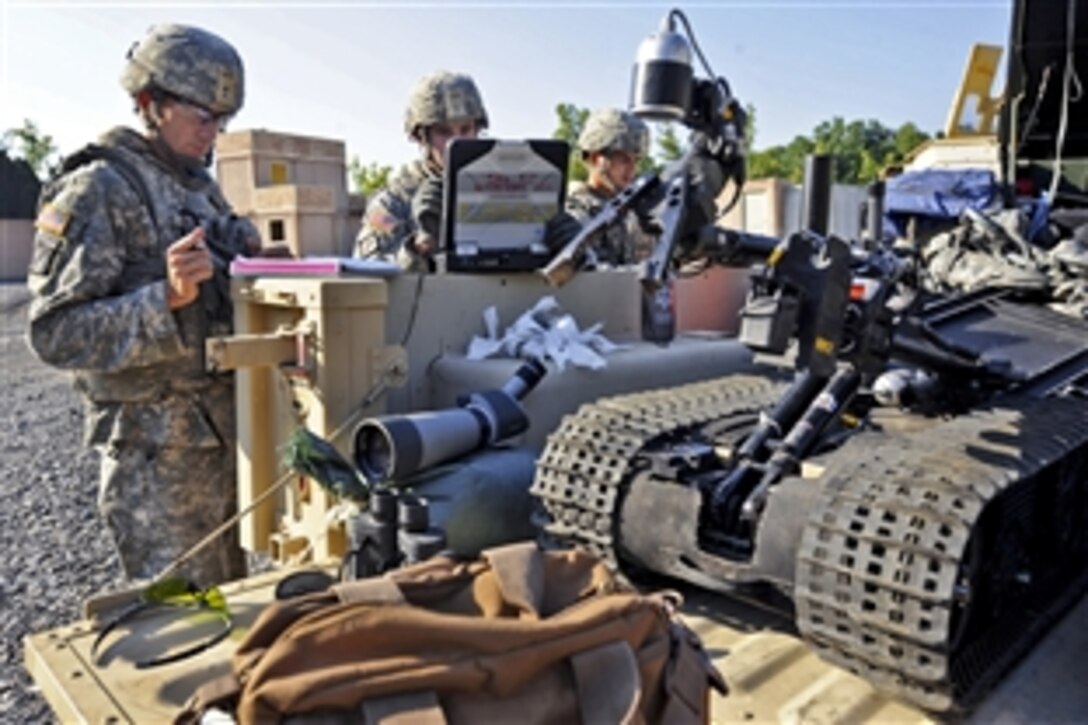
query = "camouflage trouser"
x=157 y=503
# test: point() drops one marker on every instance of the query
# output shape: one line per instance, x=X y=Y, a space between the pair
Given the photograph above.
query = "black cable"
x=695 y=45
x=1069 y=76
x=143 y=604
x=1032 y=119
x=415 y=309
x=737 y=188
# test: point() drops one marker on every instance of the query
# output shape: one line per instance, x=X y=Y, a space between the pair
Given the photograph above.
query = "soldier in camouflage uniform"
x=120 y=252
x=611 y=143
x=401 y=222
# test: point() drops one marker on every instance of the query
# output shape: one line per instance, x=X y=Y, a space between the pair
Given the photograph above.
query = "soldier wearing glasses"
x=120 y=252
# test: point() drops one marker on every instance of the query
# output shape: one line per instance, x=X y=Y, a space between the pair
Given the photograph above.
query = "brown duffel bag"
x=519 y=635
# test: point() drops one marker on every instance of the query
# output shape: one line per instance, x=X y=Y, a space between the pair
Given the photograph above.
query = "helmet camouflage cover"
x=442 y=97
x=611 y=129
x=187 y=62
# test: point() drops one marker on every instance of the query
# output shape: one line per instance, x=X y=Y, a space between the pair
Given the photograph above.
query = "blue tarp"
x=935 y=195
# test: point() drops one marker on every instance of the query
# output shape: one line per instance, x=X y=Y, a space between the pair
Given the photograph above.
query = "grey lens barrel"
x=393 y=447
x=525 y=379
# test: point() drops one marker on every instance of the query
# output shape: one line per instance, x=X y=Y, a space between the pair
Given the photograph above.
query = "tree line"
x=862 y=149
x=31 y=144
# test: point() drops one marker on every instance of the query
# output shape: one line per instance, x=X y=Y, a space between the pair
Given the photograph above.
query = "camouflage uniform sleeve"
x=252 y=242
x=387 y=224
x=583 y=206
x=639 y=244
x=241 y=234
x=250 y=230
x=577 y=207
x=81 y=315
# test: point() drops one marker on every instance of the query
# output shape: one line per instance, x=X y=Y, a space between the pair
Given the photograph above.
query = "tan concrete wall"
x=967 y=152
x=16 y=242
x=317 y=234
x=295 y=199
x=306 y=233
x=245 y=158
x=324 y=173
x=306 y=214
x=354 y=221
x=235 y=177
x=761 y=208
x=310 y=201
x=773 y=207
x=263 y=141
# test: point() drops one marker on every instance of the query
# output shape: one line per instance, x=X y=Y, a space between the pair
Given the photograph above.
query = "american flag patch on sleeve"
x=381 y=221
x=52 y=220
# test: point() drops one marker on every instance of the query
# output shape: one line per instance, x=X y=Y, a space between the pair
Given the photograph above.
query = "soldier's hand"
x=560 y=229
x=422 y=244
x=188 y=263
x=427 y=211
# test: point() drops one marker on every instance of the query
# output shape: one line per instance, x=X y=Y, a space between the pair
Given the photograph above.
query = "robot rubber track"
x=935 y=556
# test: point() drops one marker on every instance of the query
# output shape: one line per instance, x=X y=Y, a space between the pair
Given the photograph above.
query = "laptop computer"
x=499 y=195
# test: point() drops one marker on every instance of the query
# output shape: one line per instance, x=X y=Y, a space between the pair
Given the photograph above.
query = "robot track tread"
x=581 y=473
x=881 y=565
x=889 y=563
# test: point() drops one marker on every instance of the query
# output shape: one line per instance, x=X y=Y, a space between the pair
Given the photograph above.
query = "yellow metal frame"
x=978 y=78
x=307 y=352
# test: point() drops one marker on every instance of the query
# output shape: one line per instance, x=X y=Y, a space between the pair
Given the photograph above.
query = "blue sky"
x=343 y=69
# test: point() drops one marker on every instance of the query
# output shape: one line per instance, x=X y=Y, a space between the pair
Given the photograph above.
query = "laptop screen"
x=499 y=195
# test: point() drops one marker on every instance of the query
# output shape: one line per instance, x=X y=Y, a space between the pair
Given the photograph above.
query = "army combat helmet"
x=611 y=129
x=441 y=97
x=187 y=62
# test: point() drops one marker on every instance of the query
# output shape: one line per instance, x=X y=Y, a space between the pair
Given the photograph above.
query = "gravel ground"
x=54 y=553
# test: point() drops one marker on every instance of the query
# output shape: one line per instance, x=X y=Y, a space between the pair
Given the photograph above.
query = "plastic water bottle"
x=659 y=314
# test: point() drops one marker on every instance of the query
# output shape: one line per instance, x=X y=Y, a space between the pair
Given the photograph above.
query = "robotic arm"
x=849 y=309
x=679 y=205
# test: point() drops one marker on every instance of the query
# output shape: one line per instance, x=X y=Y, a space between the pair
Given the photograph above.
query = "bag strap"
x=410 y=708
x=689 y=675
x=221 y=693
x=519 y=571
x=608 y=684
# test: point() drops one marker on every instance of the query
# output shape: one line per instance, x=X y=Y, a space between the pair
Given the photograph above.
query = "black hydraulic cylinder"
x=874 y=212
x=754 y=450
x=803 y=436
x=783 y=415
x=734 y=248
x=817 y=190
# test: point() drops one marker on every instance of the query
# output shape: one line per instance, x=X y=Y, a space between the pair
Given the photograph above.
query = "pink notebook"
x=311 y=267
